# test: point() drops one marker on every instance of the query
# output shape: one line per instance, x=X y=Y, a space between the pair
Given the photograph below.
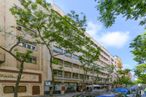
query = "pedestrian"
x=145 y=91
x=142 y=92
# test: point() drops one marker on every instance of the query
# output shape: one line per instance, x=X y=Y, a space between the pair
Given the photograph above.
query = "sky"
x=115 y=39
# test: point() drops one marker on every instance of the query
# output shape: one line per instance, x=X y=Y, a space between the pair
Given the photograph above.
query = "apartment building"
x=119 y=63
x=31 y=80
x=68 y=71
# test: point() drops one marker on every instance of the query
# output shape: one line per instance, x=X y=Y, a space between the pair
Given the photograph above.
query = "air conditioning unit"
x=2 y=58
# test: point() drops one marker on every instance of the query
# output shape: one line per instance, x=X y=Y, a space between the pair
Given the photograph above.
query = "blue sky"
x=115 y=39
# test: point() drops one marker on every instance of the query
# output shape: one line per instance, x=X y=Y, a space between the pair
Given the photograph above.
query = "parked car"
x=125 y=92
x=95 y=88
x=99 y=95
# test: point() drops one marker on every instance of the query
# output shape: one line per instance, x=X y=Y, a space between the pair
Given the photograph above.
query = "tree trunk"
x=18 y=79
x=84 y=78
x=51 y=68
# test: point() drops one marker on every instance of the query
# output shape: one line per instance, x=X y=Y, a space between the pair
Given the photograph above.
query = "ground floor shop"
x=61 y=87
x=30 y=84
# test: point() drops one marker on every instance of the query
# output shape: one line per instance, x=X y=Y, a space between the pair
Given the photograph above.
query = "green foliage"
x=140 y=72
x=123 y=77
x=46 y=26
x=138 y=46
x=24 y=56
x=79 y=21
x=55 y=61
x=124 y=80
x=18 y=55
x=129 y=9
x=110 y=68
x=123 y=72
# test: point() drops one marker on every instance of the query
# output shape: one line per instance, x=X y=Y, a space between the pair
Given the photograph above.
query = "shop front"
x=30 y=84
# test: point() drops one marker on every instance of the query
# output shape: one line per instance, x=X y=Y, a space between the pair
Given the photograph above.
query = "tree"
x=129 y=9
x=110 y=69
x=123 y=77
x=21 y=57
x=79 y=21
x=138 y=46
x=124 y=80
x=46 y=26
x=140 y=72
x=96 y=70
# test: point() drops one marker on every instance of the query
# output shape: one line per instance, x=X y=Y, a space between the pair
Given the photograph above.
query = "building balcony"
x=58 y=67
x=63 y=79
x=68 y=69
x=75 y=70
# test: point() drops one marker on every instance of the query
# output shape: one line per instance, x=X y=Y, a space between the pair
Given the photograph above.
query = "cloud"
x=116 y=39
x=93 y=28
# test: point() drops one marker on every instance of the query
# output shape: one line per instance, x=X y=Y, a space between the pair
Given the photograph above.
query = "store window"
x=8 y=89
x=35 y=90
x=22 y=89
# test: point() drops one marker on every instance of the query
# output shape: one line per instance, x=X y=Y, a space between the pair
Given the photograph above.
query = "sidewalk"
x=143 y=96
x=66 y=95
x=58 y=95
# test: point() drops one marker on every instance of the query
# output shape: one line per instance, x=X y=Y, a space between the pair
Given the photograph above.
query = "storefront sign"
x=11 y=76
x=47 y=83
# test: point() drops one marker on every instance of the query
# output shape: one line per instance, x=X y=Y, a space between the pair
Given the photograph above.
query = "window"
x=8 y=89
x=28 y=45
x=55 y=73
x=67 y=64
x=67 y=54
x=58 y=73
x=75 y=57
x=57 y=50
x=87 y=77
x=57 y=61
x=97 y=87
x=33 y=47
x=75 y=75
x=76 y=66
x=67 y=75
x=81 y=76
x=32 y=59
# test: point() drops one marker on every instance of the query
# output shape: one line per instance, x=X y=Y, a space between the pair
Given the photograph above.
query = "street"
x=57 y=95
